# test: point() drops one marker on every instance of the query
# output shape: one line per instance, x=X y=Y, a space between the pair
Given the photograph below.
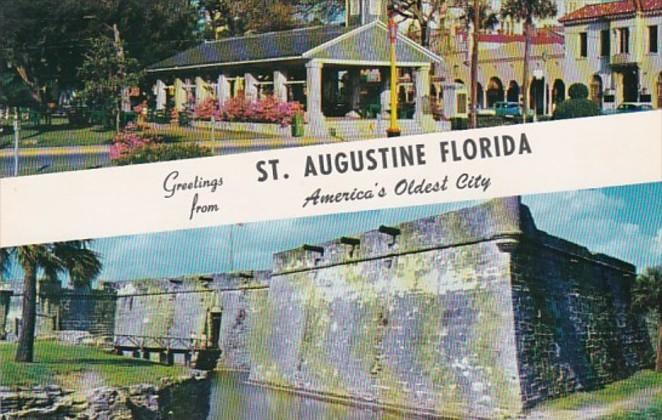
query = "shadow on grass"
x=119 y=362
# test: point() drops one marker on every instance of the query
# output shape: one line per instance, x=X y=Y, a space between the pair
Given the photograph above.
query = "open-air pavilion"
x=339 y=73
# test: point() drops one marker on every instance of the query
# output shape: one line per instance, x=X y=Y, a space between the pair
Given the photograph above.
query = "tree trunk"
x=474 y=68
x=25 y=350
x=425 y=35
x=525 y=72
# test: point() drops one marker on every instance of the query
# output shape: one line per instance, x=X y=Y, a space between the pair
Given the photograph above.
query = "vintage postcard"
x=342 y=209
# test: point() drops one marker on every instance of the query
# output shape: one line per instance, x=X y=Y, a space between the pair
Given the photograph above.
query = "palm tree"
x=72 y=257
x=526 y=11
x=481 y=17
x=647 y=297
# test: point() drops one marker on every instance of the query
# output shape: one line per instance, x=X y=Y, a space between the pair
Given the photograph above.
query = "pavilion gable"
x=369 y=44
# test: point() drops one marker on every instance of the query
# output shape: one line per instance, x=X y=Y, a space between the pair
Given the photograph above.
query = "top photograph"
x=91 y=84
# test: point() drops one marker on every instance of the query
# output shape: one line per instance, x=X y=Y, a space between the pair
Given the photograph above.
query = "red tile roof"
x=541 y=37
x=613 y=9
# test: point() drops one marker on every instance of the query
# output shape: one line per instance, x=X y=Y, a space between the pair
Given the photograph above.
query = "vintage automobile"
x=632 y=107
x=509 y=109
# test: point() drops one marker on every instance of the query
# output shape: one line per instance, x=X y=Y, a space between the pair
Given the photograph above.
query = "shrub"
x=458 y=123
x=576 y=108
x=578 y=91
x=205 y=109
x=130 y=139
x=268 y=110
x=159 y=152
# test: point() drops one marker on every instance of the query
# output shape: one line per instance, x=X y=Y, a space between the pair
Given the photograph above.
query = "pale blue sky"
x=625 y=222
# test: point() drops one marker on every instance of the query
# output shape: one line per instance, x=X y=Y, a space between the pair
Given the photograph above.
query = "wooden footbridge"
x=200 y=353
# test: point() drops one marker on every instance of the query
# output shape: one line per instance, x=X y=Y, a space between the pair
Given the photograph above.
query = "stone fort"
x=472 y=312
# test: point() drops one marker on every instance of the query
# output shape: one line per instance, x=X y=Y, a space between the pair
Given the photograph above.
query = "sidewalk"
x=247 y=143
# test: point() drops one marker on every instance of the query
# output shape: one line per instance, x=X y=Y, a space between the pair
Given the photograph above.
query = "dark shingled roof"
x=265 y=46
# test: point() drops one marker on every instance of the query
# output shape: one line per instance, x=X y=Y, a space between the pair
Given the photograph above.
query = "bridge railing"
x=161 y=343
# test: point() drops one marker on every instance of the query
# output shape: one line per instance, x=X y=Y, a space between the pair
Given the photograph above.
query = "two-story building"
x=615 y=49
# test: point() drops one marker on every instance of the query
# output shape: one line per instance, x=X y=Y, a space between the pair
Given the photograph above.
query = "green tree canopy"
x=44 y=41
x=647 y=298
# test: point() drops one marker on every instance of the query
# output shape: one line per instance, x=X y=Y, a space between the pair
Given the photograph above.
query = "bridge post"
x=170 y=358
x=163 y=357
x=145 y=354
x=187 y=358
x=136 y=354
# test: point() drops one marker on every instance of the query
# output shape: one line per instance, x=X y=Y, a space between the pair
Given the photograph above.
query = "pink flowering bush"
x=130 y=139
x=205 y=109
x=266 y=110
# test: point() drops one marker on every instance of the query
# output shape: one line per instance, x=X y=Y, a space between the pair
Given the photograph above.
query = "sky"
x=624 y=222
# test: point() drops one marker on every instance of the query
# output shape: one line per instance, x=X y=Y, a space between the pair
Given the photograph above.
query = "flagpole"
x=393 y=129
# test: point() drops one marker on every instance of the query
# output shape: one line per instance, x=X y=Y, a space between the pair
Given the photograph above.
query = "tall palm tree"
x=72 y=257
x=480 y=16
x=526 y=11
x=647 y=297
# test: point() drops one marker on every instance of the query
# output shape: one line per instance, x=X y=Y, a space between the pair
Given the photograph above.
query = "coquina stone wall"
x=450 y=314
x=89 y=311
x=184 y=308
x=574 y=326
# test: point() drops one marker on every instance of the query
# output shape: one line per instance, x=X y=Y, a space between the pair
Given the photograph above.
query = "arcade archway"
x=494 y=92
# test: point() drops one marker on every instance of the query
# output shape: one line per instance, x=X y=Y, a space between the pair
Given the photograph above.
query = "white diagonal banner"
x=313 y=180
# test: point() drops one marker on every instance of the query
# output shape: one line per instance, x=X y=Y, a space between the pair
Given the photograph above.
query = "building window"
x=624 y=40
x=652 y=39
x=605 y=42
x=355 y=7
x=375 y=7
x=583 y=44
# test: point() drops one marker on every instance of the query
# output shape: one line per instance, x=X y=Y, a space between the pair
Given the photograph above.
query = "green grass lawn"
x=618 y=395
x=60 y=133
x=76 y=367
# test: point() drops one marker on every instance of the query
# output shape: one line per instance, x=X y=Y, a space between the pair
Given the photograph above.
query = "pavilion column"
x=201 y=92
x=160 y=93
x=314 y=99
x=126 y=100
x=180 y=95
x=250 y=89
x=422 y=81
x=280 y=85
x=385 y=95
x=355 y=94
x=481 y=99
x=222 y=89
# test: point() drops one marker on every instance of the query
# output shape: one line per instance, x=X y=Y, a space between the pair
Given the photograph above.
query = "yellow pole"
x=393 y=129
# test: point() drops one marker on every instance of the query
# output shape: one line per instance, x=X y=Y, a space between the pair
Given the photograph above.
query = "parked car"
x=509 y=109
x=633 y=107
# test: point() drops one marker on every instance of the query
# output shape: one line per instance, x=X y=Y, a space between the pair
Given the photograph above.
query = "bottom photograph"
x=540 y=307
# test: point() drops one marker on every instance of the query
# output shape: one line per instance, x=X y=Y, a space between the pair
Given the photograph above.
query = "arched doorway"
x=479 y=96
x=630 y=85
x=537 y=96
x=596 y=90
x=494 y=91
x=558 y=92
x=659 y=90
x=513 y=92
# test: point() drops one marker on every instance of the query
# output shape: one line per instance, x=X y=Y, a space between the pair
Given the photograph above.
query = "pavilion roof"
x=329 y=42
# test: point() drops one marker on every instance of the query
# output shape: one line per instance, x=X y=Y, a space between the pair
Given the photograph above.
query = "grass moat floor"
x=79 y=367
